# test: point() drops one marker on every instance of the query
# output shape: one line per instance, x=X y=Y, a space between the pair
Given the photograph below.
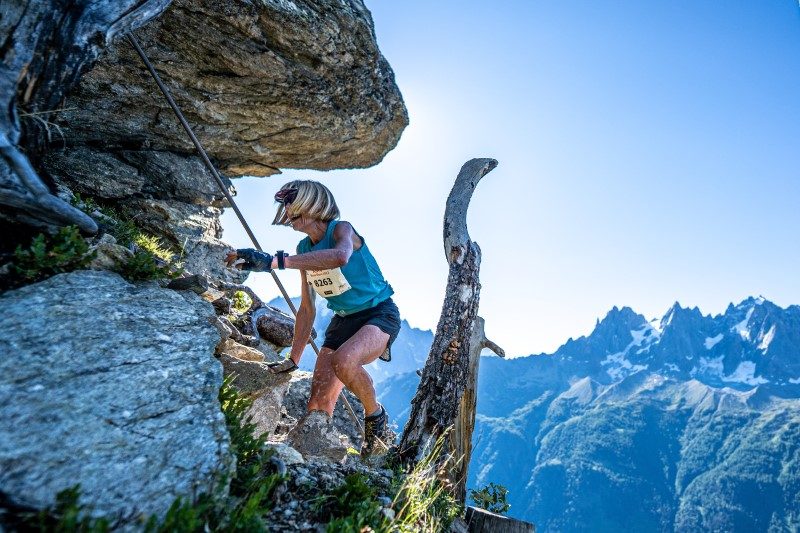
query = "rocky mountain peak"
x=755 y=343
x=616 y=323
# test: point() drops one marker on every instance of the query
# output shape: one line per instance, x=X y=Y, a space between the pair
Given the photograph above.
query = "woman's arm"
x=338 y=256
x=304 y=320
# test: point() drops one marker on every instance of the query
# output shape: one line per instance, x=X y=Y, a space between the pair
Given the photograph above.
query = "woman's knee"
x=342 y=364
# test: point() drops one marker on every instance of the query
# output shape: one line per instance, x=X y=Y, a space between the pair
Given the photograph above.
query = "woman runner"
x=335 y=262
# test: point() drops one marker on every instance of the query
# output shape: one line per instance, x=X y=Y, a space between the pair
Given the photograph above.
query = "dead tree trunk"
x=436 y=405
x=461 y=436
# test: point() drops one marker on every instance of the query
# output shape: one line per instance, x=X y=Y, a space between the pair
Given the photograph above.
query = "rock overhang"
x=266 y=85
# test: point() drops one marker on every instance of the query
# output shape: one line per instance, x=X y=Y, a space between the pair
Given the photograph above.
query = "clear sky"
x=649 y=153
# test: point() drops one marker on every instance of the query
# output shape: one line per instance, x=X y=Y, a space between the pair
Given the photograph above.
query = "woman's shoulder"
x=303 y=246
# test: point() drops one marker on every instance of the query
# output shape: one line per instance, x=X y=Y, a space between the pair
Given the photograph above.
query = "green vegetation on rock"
x=241 y=302
x=352 y=507
x=48 y=255
x=151 y=259
x=492 y=497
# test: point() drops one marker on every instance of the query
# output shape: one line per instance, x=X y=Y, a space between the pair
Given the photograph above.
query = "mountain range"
x=689 y=422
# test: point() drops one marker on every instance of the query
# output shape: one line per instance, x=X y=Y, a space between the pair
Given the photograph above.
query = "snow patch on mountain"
x=766 y=339
x=741 y=327
x=710 y=342
x=709 y=366
x=745 y=373
x=656 y=325
x=619 y=365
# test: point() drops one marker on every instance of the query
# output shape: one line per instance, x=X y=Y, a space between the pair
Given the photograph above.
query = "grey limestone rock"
x=316 y=436
x=254 y=380
x=296 y=401
x=111 y=386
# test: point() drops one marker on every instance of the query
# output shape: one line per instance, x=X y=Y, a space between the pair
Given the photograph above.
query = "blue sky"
x=649 y=153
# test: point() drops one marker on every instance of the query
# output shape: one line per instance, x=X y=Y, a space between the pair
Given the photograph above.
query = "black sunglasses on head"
x=286 y=196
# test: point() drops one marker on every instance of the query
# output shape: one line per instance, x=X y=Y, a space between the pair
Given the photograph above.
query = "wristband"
x=281 y=255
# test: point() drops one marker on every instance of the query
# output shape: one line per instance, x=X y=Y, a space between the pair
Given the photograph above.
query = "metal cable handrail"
x=224 y=189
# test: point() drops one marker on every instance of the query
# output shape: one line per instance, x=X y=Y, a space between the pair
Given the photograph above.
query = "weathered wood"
x=482 y=521
x=46 y=48
x=461 y=436
x=436 y=405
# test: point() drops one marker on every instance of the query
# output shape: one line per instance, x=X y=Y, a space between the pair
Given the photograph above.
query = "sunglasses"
x=286 y=196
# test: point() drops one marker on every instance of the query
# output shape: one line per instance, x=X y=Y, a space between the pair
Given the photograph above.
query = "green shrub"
x=154 y=246
x=351 y=507
x=253 y=484
x=143 y=266
x=48 y=255
x=241 y=302
x=492 y=498
x=151 y=260
x=66 y=516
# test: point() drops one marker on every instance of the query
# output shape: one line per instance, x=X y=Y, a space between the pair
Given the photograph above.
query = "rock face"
x=111 y=386
x=267 y=85
x=252 y=379
x=296 y=401
x=316 y=436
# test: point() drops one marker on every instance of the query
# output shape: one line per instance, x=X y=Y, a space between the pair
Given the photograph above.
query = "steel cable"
x=224 y=189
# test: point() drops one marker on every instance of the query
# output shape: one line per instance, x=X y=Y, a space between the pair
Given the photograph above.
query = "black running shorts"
x=384 y=315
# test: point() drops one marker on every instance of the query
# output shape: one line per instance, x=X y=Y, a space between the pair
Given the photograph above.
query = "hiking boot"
x=377 y=435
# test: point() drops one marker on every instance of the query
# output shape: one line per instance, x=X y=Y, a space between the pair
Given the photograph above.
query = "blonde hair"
x=313 y=200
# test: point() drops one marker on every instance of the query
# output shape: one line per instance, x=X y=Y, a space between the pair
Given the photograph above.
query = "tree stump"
x=482 y=521
x=461 y=436
x=437 y=403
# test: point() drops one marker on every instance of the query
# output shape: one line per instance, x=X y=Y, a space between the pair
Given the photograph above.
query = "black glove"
x=254 y=260
x=286 y=366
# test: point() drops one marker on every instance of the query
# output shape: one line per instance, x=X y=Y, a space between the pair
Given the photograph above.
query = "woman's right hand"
x=250 y=259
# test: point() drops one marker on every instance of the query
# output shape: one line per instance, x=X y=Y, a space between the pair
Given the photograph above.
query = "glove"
x=254 y=260
x=286 y=366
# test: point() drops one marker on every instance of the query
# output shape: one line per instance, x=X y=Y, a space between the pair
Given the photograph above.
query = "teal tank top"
x=356 y=286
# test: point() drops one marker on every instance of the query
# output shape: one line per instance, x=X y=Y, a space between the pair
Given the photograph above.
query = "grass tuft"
x=423 y=502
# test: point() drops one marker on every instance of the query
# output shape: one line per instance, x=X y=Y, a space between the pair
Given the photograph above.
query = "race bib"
x=328 y=283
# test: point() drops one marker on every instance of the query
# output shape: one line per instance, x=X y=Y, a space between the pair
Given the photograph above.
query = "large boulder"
x=111 y=386
x=266 y=85
x=253 y=380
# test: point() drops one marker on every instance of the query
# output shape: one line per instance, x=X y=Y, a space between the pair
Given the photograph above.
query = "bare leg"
x=325 y=386
x=347 y=363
